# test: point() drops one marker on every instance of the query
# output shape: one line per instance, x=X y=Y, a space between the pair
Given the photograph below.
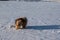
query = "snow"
x=43 y=20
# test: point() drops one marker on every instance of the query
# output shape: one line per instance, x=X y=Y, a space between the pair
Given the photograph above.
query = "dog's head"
x=21 y=22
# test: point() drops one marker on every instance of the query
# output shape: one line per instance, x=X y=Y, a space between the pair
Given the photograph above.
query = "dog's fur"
x=21 y=22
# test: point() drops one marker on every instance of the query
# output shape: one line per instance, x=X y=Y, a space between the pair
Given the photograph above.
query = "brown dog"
x=21 y=23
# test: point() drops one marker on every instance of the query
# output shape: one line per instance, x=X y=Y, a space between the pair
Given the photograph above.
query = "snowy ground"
x=43 y=20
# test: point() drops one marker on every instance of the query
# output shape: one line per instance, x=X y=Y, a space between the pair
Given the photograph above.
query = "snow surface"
x=43 y=20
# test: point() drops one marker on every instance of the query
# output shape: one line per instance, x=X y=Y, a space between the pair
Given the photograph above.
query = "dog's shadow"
x=46 y=27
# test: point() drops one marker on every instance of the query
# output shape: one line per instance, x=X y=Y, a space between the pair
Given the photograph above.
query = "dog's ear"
x=17 y=20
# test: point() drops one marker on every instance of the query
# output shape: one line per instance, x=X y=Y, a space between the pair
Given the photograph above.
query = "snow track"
x=43 y=20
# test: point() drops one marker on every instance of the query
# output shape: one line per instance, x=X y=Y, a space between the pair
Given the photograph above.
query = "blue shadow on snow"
x=46 y=27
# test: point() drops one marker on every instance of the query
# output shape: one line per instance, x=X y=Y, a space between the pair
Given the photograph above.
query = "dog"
x=20 y=23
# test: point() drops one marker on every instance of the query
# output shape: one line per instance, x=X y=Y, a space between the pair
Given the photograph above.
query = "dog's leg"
x=17 y=27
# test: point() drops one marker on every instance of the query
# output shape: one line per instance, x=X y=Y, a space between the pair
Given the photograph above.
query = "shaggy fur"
x=21 y=22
